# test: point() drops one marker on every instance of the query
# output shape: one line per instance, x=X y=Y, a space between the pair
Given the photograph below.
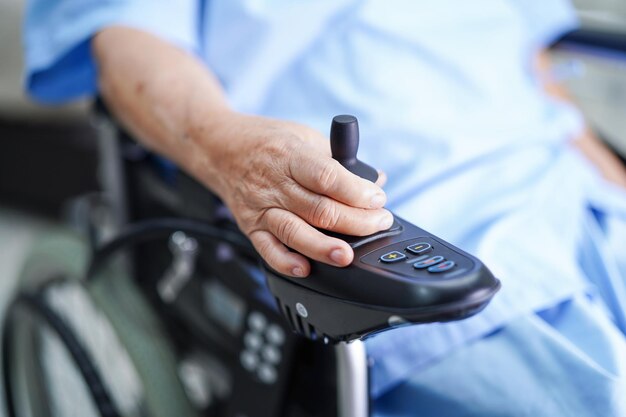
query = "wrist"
x=211 y=135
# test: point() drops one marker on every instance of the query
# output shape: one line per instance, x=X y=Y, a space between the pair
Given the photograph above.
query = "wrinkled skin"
x=282 y=184
x=276 y=177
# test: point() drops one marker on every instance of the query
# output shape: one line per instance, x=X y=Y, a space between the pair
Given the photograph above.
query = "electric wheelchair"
x=158 y=306
x=161 y=307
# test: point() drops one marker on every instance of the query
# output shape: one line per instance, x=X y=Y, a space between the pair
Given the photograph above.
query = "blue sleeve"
x=59 y=63
x=546 y=20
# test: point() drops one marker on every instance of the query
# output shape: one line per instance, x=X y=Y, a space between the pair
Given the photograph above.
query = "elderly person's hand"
x=277 y=177
x=281 y=184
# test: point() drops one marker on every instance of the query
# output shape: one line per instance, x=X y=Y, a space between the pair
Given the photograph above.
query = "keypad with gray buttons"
x=262 y=354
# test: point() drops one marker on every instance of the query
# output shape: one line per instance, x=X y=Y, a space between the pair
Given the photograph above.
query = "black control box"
x=399 y=276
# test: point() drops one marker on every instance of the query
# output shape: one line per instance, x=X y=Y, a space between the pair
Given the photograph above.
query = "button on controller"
x=257 y=321
x=419 y=248
x=433 y=260
x=442 y=267
x=392 y=257
x=275 y=335
x=249 y=360
x=261 y=352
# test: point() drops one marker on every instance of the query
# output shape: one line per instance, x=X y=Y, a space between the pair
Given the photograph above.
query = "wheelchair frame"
x=351 y=359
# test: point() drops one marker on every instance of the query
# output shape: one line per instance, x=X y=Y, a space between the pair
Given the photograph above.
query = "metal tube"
x=111 y=168
x=352 y=379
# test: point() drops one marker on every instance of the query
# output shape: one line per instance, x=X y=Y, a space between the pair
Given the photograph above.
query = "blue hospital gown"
x=474 y=150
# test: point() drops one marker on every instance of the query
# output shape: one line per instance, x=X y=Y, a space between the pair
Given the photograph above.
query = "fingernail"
x=387 y=221
x=337 y=256
x=298 y=271
x=378 y=200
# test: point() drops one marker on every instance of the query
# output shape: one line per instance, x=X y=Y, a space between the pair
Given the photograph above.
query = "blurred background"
x=48 y=155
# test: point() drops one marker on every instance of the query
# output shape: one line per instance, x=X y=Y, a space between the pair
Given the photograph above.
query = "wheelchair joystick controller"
x=398 y=276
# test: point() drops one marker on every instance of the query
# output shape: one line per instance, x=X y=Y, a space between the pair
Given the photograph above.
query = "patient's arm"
x=277 y=177
x=587 y=142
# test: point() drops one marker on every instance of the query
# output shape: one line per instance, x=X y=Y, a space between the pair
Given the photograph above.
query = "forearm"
x=163 y=95
x=277 y=177
x=586 y=141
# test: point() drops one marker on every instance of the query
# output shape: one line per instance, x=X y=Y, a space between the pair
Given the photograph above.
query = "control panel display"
x=224 y=306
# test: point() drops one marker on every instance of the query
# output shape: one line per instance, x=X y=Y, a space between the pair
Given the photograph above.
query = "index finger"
x=324 y=175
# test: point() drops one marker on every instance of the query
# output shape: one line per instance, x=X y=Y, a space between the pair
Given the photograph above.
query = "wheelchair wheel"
x=76 y=349
x=55 y=368
x=45 y=360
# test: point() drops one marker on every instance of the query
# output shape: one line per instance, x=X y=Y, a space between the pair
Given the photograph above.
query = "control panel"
x=263 y=343
x=421 y=258
x=246 y=346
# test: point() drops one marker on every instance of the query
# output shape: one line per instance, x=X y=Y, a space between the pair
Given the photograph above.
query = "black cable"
x=147 y=230
x=36 y=303
x=7 y=360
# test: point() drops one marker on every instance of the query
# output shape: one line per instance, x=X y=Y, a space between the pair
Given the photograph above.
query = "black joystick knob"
x=344 y=144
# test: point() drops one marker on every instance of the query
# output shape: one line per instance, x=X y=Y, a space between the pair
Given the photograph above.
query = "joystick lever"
x=344 y=144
